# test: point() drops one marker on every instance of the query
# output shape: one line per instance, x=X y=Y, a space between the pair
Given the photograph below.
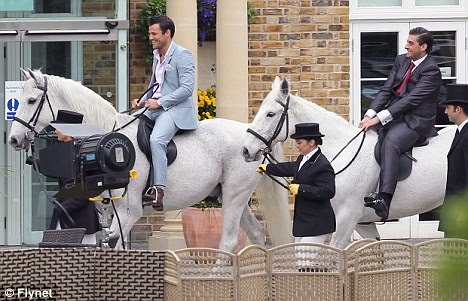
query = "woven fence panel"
x=130 y=275
x=350 y=255
x=430 y=259
x=68 y=272
x=306 y=272
x=84 y=273
x=207 y=274
x=253 y=274
x=384 y=271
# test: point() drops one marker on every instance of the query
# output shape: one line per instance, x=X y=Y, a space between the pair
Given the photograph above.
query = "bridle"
x=35 y=117
x=284 y=118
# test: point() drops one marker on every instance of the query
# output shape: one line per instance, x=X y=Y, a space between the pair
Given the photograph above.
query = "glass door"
x=92 y=50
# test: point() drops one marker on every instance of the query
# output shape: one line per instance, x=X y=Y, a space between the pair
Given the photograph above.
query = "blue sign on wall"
x=16 y=5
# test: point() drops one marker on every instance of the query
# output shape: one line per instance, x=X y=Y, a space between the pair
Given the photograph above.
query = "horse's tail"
x=273 y=201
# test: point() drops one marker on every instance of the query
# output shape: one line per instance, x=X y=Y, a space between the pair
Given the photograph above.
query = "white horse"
x=209 y=159
x=422 y=191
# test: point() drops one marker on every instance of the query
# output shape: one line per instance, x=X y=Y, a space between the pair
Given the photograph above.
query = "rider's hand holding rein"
x=136 y=104
x=261 y=168
x=152 y=104
x=366 y=123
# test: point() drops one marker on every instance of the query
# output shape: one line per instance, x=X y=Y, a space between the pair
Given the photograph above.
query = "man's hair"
x=424 y=37
x=463 y=106
x=164 y=22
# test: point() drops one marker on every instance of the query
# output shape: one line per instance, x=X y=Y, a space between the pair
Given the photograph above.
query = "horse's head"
x=34 y=112
x=271 y=124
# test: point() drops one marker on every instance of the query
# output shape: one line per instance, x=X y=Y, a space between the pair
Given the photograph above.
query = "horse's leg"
x=252 y=227
x=346 y=222
x=368 y=230
x=127 y=213
x=234 y=202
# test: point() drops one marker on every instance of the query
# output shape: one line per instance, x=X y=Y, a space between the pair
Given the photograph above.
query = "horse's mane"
x=81 y=99
x=328 y=115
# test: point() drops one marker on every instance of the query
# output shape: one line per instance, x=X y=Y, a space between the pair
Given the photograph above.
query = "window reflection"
x=52 y=6
x=378 y=51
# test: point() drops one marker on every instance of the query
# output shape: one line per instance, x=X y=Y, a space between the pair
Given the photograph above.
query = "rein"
x=156 y=84
x=355 y=155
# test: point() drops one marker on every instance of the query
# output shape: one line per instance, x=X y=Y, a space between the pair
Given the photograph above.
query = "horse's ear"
x=285 y=87
x=36 y=75
x=25 y=73
x=276 y=82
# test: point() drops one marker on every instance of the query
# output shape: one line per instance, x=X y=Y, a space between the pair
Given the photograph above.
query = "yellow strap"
x=99 y=199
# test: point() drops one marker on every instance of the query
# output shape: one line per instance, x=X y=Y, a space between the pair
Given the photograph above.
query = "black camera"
x=89 y=165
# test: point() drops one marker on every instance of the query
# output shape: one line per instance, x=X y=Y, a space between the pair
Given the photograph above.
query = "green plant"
x=152 y=8
x=208 y=202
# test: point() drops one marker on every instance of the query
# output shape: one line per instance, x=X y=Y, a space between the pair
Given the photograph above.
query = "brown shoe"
x=154 y=197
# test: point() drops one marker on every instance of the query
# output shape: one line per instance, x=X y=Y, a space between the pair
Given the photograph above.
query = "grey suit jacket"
x=417 y=103
x=177 y=88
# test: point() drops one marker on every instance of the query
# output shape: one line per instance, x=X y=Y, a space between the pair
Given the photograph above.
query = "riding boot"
x=154 y=197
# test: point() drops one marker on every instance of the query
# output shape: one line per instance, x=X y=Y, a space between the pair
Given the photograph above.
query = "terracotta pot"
x=202 y=228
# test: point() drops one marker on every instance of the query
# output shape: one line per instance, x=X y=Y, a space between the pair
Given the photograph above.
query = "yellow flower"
x=206 y=103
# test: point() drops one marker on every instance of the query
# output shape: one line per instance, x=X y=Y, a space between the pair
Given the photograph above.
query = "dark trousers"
x=398 y=139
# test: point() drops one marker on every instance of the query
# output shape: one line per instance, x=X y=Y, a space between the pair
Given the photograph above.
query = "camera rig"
x=90 y=164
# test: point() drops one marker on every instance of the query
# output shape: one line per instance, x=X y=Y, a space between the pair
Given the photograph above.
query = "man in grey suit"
x=404 y=110
x=169 y=102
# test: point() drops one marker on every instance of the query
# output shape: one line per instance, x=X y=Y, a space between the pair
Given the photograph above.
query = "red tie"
x=405 y=79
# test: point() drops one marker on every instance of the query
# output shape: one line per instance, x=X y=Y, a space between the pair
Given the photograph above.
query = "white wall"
x=206 y=61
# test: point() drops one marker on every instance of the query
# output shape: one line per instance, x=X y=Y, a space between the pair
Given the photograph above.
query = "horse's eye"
x=270 y=114
x=31 y=101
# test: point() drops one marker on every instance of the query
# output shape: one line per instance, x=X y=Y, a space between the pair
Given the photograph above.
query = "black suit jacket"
x=313 y=213
x=81 y=210
x=457 y=172
x=417 y=102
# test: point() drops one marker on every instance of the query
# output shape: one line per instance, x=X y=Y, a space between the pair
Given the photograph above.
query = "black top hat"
x=64 y=116
x=456 y=93
x=307 y=130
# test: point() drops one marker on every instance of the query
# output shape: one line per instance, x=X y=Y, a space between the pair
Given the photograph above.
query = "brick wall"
x=99 y=57
x=305 y=41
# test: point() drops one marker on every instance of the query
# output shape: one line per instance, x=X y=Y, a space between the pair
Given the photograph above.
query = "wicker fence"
x=82 y=274
x=366 y=270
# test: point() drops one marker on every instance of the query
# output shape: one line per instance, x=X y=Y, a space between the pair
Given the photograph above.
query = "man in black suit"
x=456 y=108
x=83 y=212
x=313 y=186
x=404 y=110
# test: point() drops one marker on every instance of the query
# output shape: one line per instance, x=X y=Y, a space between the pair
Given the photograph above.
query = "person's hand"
x=363 y=121
x=136 y=104
x=366 y=123
x=294 y=189
x=152 y=104
x=261 y=168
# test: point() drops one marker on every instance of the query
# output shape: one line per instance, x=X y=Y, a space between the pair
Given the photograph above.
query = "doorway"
x=92 y=51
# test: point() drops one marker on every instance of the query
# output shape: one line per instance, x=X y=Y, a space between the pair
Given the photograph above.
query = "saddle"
x=145 y=127
x=405 y=164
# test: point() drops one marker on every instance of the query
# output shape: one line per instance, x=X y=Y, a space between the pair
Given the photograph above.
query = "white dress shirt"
x=307 y=157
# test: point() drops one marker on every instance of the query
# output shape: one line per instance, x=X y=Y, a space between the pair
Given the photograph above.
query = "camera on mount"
x=93 y=162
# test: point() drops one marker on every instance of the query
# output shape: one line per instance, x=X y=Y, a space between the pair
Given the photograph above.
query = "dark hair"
x=424 y=37
x=463 y=106
x=318 y=140
x=164 y=22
